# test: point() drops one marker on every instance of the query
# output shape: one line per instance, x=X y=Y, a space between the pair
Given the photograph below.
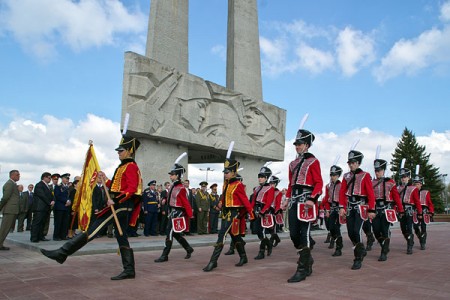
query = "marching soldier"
x=263 y=196
x=126 y=189
x=276 y=210
x=235 y=205
x=179 y=207
x=427 y=209
x=357 y=202
x=386 y=196
x=409 y=195
x=305 y=187
x=331 y=205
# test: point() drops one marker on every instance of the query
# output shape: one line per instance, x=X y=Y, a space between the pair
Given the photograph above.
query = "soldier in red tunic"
x=386 y=197
x=331 y=206
x=126 y=190
x=262 y=200
x=275 y=209
x=409 y=195
x=305 y=187
x=179 y=207
x=355 y=195
x=235 y=206
x=427 y=209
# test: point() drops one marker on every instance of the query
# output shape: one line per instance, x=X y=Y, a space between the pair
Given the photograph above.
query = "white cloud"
x=42 y=26
x=445 y=12
x=409 y=56
x=314 y=60
x=220 y=50
x=274 y=56
x=59 y=145
x=354 y=50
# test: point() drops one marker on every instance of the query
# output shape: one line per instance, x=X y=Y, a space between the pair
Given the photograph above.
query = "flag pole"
x=119 y=228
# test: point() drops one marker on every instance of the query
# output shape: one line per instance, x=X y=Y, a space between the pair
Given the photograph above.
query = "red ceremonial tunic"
x=409 y=195
x=425 y=200
x=126 y=185
x=178 y=198
x=361 y=186
x=305 y=171
x=387 y=186
x=331 y=194
x=263 y=195
x=276 y=203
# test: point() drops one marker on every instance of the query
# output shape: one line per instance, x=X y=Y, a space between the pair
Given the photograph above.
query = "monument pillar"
x=243 y=52
x=167 y=40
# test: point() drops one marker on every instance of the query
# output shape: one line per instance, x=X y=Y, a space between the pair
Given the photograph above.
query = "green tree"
x=415 y=154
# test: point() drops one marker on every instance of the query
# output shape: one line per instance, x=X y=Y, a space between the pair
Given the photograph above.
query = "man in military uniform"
x=214 y=209
x=305 y=187
x=235 y=205
x=61 y=213
x=150 y=201
x=275 y=208
x=126 y=190
x=263 y=196
x=427 y=209
x=386 y=197
x=179 y=207
x=355 y=196
x=331 y=206
x=203 y=202
x=409 y=194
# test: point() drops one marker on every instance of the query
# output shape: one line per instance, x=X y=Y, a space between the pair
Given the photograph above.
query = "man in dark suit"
x=29 y=214
x=43 y=201
x=9 y=204
x=61 y=211
x=164 y=209
x=23 y=208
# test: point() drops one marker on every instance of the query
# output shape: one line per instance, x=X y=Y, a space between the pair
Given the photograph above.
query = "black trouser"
x=106 y=219
x=421 y=225
x=37 y=226
x=213 y=222
x=225 y=228
x=61 y=219
x=381 y=225
x=299 y=230
x=29 y=218
x=163 y=222
x=327 y=223
x=333 y=222
x=354 y=224
x=406 y=223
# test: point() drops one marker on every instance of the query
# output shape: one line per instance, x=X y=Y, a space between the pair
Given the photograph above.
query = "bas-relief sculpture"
x=176 y=106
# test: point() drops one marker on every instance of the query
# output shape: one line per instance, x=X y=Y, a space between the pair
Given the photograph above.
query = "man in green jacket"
x=9 y=205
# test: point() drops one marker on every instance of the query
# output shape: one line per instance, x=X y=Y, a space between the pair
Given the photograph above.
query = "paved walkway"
x=26 y=274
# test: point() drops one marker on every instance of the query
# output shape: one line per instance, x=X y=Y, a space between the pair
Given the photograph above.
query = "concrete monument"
x=173 y=111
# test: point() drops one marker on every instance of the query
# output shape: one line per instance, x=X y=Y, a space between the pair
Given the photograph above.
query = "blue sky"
x=362 y=70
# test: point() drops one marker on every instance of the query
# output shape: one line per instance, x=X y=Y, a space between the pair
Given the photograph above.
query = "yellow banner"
x=82 y=203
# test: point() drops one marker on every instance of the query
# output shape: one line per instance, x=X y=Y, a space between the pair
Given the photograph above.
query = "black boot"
x=276 y=239
x=73 y=245
x=339 y=246
x=312 y=242
x=423 y=241
x=370 y=241
x=384 y=249
x=165 y=254
x=410 y=244
x=302 y=263
x=269 y=247
x=184 y=243
x=331 y=245
x=328 y=239
x=231 y=250
x=359 y=252
x=240 y=247
x=128 y=264
x=214 y=257
x=262 y=248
